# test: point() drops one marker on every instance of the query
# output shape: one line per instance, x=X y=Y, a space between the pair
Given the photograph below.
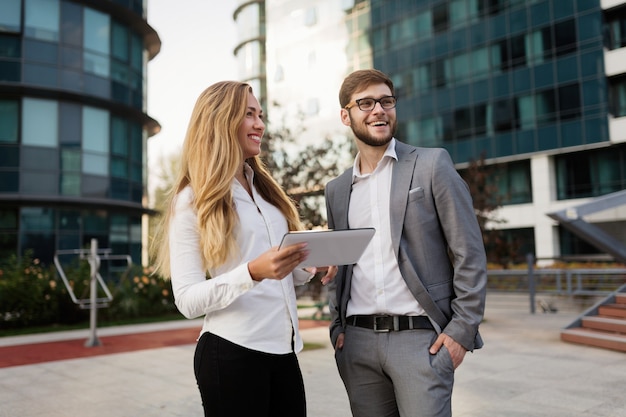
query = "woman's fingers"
x=277 y=262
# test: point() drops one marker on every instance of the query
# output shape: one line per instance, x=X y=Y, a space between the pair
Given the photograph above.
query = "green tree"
x=482 y=179
x=304 y=170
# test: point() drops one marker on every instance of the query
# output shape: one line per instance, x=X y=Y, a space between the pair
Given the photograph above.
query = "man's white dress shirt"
x=377 y=284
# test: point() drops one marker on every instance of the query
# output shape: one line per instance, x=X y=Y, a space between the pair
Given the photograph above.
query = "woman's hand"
x=331 y=271
x=277 y=262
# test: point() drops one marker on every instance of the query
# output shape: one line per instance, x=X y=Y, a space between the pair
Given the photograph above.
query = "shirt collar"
x=390 y=152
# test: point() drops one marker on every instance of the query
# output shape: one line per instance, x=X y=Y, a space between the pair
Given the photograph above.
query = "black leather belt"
x=383 y=323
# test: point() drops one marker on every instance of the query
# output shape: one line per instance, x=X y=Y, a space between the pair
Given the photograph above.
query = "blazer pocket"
x=416 y=193
x=441 y=290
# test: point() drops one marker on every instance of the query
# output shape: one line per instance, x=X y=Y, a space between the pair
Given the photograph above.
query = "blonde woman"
x=226 y=218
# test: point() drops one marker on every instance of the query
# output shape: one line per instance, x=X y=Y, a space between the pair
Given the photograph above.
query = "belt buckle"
x=381 y=330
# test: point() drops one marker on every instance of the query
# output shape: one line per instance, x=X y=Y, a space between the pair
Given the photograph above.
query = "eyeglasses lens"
x=368 y=104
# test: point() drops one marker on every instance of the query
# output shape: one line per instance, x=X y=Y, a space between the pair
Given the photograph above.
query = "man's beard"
x=361 y=133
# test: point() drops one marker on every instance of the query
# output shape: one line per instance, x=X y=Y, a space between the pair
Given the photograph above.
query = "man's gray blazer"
x=436 y=240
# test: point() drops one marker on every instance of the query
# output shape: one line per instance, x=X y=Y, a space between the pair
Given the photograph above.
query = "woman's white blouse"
x=257 y=315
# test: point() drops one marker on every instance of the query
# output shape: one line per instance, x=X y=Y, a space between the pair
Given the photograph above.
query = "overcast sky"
x=197 y=41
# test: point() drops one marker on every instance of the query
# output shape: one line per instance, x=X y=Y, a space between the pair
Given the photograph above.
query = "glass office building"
x=73 y=125
x=522 y=83
x=536 y=87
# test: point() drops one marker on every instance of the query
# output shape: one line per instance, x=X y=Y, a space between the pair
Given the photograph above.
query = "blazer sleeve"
x=458 y=222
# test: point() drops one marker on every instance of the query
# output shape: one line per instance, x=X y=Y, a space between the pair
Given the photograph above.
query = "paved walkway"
x=523 y=370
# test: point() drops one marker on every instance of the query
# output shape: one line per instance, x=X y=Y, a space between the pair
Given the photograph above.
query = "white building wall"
x=534 y=215
x=608 y=4
x=617 y=129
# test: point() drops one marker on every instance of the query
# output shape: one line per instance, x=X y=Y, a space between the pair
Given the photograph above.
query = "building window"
x=463 y=123
x=70 y=124
x=9 y=148
x=9 y=116
x=440 y=18
x=11 y=16
x=72 y=15
x=538 y=44
x=510 y=245
x=461 y=69
x=428 y=131
x=616 y=31
x=502 y=115
x=570 y=244
x=420 y=78
x=41 y=19
x=10 y=54
x=591 y=173
x=510 y=182
x=545 y=106
x=489 y=7
x=569 y=101
x=95 y=133
x=70 y=172
x=617 y=96
x=96 y=41
x=513 y=183
x=119 y=136
x=480 y=62
x=120 y=160
x=458 y=12
x=120 y=42
x=510 y=53
x=565 y=37
x=45 y=131
x=8 y=232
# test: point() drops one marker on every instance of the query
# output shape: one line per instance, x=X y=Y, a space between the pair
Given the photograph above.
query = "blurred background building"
x=250 y=50
x=536 y=87
x=73 y=125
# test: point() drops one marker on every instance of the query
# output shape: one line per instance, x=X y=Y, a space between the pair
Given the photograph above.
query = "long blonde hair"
x=210 y=159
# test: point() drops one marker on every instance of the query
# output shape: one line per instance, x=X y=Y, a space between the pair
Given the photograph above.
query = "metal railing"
x=593 y=282
x=583 y=282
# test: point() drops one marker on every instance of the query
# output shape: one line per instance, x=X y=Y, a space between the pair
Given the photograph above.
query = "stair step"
x=620 y=298
x=613 y=310
x=595 y=338
x=608 y=324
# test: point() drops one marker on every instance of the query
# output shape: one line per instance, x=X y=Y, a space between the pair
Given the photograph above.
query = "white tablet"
x=331 y=247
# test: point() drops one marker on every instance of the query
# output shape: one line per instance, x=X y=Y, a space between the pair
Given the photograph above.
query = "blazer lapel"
x=342 y=199
x=402 y=177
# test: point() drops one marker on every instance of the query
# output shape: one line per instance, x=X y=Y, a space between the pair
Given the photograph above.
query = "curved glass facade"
x=73 y=127
x=500 y=78
x=250 y=53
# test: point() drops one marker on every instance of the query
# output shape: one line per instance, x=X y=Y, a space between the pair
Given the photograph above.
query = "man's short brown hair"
x=359 y=80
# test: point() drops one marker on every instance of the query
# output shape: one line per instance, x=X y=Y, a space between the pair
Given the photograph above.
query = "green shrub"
x=140 y=294
x=32 y=294
x=28 y=293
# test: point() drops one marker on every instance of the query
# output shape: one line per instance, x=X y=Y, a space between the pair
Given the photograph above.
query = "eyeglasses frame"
x=376 y=100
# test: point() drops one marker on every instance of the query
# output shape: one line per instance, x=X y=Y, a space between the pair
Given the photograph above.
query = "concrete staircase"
x=603 y=325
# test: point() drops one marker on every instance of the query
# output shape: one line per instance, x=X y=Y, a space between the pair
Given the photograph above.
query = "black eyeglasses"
x=368 y=104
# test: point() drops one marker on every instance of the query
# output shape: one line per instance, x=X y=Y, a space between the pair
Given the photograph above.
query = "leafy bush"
x=139 y=293
x=32 y=294
x=28 y=293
